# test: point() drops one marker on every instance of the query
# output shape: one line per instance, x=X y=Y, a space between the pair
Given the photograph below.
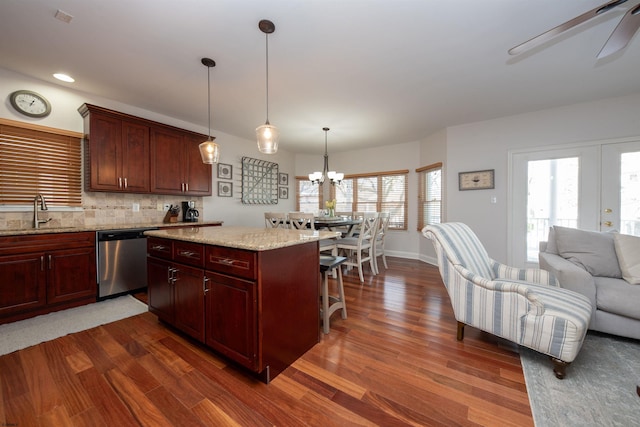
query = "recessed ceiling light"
x=64 y=77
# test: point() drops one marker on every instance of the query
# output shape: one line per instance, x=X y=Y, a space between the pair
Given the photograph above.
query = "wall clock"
x=476 y=180
x=30 y=103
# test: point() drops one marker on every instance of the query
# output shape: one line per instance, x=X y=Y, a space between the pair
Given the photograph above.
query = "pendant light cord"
x=209 y=98
x=266 y=36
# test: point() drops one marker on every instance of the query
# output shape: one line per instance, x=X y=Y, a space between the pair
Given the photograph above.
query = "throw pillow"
x=628 y=250
x=592 y=250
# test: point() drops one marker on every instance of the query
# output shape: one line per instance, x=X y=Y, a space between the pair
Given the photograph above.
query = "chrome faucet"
x=43 y=206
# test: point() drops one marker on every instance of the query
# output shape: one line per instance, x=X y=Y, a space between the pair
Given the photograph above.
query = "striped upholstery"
x=525 y=306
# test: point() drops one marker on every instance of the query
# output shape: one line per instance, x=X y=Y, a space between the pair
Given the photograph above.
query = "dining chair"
x=359 y=249
x=275 y=220
x=301 y=220
x=379 y=241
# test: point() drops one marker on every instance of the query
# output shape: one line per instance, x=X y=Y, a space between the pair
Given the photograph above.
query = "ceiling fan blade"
x=623 y=33
x=547 y=35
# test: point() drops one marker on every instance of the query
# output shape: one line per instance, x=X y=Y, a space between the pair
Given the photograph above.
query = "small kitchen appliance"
x=189 y=211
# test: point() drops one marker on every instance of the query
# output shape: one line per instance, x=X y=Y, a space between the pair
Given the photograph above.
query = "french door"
x=593 y=186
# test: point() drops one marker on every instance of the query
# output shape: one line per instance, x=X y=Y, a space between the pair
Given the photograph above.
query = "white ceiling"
x=376 y=72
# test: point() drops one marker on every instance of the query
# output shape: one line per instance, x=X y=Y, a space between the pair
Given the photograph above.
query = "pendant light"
x=319 y=177
x=209 y=150
x=267 y=134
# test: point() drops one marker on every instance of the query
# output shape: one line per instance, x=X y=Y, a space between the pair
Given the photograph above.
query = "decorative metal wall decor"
x=259 y=182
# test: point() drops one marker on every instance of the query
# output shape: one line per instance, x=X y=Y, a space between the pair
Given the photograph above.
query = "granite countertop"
x=45 y=230
x=250 y=238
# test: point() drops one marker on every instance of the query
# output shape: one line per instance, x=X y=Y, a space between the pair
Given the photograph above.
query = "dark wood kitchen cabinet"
x=175 y=289
x=124 y=153
x=117 y=153
x=44 y=273
x=176 y=166
x=259 y=308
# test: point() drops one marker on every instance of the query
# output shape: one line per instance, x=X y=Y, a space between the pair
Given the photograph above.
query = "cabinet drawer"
x=160 y=248
x=231 y=261
x=188 y=253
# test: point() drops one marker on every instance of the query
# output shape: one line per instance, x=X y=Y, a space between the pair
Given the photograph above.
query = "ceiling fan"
x=617 y=40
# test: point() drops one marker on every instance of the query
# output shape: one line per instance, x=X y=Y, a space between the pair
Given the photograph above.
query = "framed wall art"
x=225 y=189
x=476 y=180
x=283 y=179
x=283 y=192
x=225 y=171
x=259 y=182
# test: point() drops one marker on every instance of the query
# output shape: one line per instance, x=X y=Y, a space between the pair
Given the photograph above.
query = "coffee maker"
x=189 y=211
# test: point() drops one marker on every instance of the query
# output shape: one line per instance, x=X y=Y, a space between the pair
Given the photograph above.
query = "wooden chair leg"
x=460 y=335
x=559 y=368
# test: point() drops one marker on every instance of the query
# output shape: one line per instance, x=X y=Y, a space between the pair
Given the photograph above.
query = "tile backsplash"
x=100 y=209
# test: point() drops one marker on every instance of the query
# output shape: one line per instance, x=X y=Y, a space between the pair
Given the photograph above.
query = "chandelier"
x=319 y=177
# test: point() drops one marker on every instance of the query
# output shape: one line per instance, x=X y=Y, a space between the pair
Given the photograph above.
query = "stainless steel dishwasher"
x=122 y=261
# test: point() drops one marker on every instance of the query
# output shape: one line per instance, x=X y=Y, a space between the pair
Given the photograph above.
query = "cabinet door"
x=167 y=162
x=188 y=300
x=160 y=288
x=231 y=328
x=71 y=274
x=197 y=174
x=135 y=157
x=22 y=283
x=105 y=152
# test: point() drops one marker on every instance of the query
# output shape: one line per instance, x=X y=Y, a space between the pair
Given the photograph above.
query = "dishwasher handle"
x=106 y=236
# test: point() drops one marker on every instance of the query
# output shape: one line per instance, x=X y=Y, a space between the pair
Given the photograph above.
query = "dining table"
x=332 y=222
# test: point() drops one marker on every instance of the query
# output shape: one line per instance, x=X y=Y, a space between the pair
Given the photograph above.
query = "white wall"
x=473 y=146
x=485 y=145
x=230 y=209
x=433 y=150
x=405 y=243
x=64 y=115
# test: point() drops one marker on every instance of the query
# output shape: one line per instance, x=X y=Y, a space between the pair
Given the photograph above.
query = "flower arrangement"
x=331 y=206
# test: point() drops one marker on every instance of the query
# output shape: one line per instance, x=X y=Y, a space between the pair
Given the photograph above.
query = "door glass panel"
x=552 y=199
x=630 y=193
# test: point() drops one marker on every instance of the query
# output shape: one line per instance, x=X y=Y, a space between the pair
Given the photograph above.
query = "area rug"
x=25 y=333
x=599 y=389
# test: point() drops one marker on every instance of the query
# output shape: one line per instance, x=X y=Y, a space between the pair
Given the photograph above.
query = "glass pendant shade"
x=268 y=137
x=209 y=151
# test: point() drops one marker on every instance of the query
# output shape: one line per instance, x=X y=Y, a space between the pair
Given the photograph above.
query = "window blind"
x=35 y=159
x=429 y=195
x=375 y=192
x=308 y=197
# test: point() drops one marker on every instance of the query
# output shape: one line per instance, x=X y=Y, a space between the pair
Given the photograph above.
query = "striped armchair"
x=525 y=306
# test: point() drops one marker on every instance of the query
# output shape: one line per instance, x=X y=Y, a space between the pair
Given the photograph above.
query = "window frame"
x=424 y=198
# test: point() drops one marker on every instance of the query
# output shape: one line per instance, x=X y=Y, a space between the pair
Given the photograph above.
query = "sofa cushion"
x=628 y=251
x=592 y=250
x=551 y=248
x=617 y=297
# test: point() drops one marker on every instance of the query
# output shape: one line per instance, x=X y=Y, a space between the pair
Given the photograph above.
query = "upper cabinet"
x=128 y=154
x=176 y=165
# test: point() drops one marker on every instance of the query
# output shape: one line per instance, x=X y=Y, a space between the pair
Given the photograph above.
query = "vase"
x=332 y=213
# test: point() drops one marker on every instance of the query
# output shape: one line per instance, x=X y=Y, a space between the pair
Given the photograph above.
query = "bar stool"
x=331 y=303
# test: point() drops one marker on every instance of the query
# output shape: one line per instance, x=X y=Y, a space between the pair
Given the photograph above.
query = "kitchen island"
x=250 y=294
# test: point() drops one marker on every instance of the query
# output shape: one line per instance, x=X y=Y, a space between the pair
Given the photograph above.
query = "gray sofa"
x=604 y=268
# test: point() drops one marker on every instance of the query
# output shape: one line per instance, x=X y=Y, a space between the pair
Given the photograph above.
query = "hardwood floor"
x=394 y=361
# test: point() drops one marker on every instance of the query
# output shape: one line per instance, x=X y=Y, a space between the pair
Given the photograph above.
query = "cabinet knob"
x=205 y=279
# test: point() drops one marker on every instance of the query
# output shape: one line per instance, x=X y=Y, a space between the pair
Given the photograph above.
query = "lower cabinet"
x=263 y=315
x=176 y=295
x=231 y=318
x=43 y=273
